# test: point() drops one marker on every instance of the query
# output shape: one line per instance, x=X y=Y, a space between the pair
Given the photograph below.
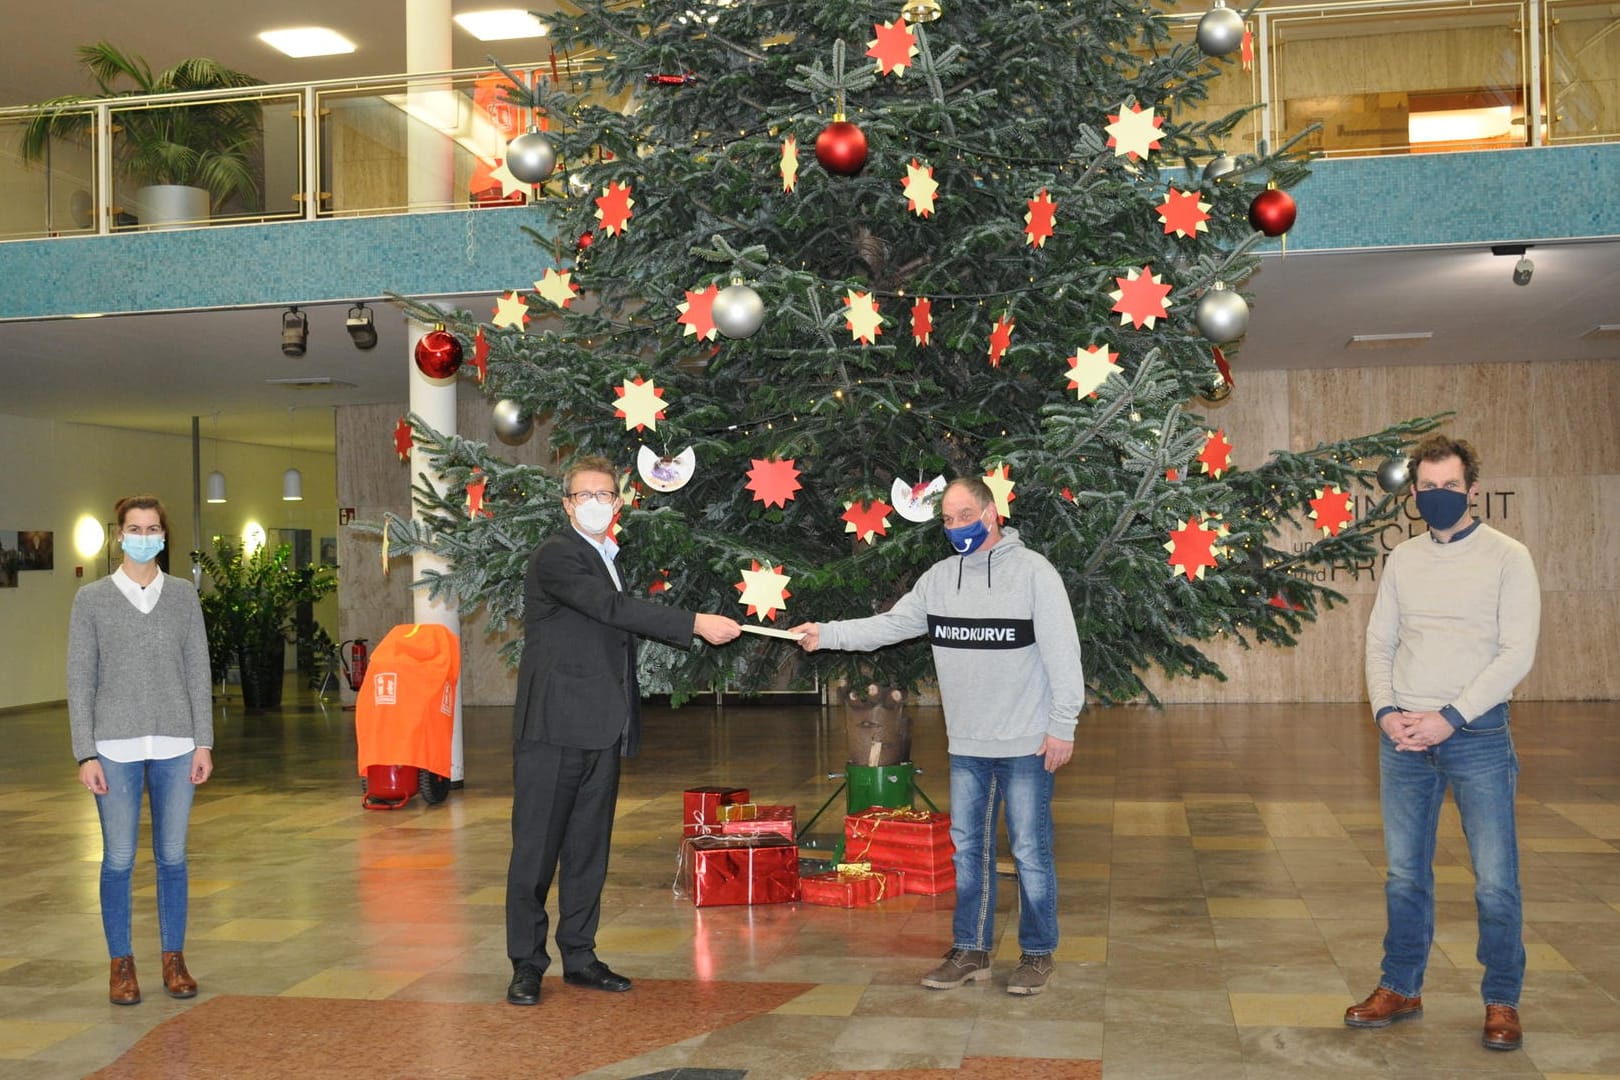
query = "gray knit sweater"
x=130 y=674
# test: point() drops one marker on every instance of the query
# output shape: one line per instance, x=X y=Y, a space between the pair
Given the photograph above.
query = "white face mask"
x=594 y=517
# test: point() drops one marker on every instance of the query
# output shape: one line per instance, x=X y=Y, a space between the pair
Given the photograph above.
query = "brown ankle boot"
x=176 y=979
x=122 y=989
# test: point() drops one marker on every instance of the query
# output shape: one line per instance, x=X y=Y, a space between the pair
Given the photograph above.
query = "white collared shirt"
x=608 y=549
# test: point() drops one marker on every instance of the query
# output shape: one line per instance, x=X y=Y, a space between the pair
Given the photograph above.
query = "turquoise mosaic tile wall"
x=1476 y=198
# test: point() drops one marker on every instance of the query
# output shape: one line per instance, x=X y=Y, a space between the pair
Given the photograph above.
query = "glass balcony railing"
x=1377 y=76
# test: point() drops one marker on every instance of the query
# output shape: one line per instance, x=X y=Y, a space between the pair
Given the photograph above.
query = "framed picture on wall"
x=328 y=551
x=10 y=560
x=36 y=550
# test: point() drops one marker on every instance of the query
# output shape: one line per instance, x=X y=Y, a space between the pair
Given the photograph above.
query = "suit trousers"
x=562 y=826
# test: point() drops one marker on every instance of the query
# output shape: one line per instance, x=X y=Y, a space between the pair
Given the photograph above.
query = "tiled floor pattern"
x=1221 y=870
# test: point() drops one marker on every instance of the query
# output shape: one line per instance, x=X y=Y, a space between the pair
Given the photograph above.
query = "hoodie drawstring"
x=989 y=557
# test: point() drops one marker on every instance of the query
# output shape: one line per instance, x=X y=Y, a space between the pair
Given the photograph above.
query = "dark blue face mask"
x=1441 y=508
x=966 y=539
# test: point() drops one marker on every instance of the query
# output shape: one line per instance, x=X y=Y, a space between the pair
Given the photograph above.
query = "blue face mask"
x=143 y=549
x=966 y=539
x=1441 y=508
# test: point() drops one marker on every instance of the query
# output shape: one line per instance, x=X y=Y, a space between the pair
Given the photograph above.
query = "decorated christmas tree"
x=794 y=261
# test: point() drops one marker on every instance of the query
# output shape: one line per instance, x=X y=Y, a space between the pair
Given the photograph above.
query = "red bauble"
x=1272 y=211
x=438 y=354
x=586 y=239
x=841 y=148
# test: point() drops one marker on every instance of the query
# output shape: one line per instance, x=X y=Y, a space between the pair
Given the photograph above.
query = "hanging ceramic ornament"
x=665 y=473
x=919 y=501
x=1220 y=30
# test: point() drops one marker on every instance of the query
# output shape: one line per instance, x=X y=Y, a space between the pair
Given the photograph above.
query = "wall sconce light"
x=88 y=536
x=294 y=332
x=361 y=328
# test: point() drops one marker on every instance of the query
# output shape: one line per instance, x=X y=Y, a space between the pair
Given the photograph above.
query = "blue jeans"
x=169 y=781
x=1024 y=786
x=1479 y=764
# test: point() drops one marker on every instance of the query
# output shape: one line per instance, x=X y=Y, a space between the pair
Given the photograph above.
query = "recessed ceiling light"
x=1388 y=341
x=501 y=24
x=303 y=41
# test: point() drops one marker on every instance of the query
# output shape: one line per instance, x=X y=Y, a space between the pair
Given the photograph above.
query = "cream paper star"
x=1089 y=368
x=920 y=187
x=640 y=403
x=557 y=287
x=864 y=321
x=790 y=163
x=510 y=310
x=1001 y=486
x=507 y=179
x=764 y=591
x=1134 y=131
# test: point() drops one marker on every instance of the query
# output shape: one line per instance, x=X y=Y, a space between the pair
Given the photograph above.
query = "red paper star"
x=1281 y=601
x=922 y=320
x=1222 y=366
x=613 y=207
x=1331 y=510
x=475 y=496
x=1192 y=549
x=480 y=357
x=1183 y=213
x=402 y=439
x=893 y=47
x=773 y=481
x=1172 y=475
x=1216 y=456
x=867 y=520
x=660 y=584
x=1069 y=494
x=697 y=313
x=1140 y=298
x=1000 y=339
x=764 y=590
x=1038 y=222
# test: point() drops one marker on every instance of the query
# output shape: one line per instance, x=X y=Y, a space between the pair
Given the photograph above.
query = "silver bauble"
x=738 y=311
x=1393 y=475
x=1220 y=30
x=530 y=157
x=579 y=185
x=510 y=422
x=1219 y=167
x=1222 y=315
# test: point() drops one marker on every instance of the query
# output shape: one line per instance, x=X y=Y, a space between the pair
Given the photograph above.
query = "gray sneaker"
x=960 y=966
x=1031 y=975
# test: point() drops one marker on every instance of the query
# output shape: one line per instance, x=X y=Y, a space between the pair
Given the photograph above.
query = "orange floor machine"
x=404 y=716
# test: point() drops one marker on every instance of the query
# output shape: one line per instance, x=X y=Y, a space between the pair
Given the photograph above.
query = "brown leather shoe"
x=1382 y=1009
x=122 y=989
x=1502 y=1030
x=176 y=979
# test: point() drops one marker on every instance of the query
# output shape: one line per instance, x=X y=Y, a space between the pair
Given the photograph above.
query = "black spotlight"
x=294 y=332
x=361 y=328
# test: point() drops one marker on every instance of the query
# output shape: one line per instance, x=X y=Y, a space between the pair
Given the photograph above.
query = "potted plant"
x=252 y=612
x=188 y=159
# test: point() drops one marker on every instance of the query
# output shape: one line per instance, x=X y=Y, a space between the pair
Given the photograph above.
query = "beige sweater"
x=1454 y=624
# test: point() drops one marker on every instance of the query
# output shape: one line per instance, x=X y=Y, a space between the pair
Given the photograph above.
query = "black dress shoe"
x=524 y=989
x=597 y=976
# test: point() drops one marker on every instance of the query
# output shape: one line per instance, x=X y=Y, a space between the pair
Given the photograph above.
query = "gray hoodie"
x=1004 y=642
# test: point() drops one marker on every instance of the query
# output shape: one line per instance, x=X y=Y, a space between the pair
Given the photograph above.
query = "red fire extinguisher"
x=354 y=662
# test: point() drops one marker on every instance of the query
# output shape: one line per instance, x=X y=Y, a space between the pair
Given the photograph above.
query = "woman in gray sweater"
x=141 y=713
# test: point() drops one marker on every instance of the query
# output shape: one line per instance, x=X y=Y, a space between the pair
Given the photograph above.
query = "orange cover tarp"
x=405 y=712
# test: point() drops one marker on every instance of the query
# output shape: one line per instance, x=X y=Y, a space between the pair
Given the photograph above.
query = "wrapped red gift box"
x=715 y=870
x=767 y=819
x=920 y=884
x=844 y=888
x=701 y=808
x=905 y=839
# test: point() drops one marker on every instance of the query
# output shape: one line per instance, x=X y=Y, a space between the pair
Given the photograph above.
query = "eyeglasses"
x=143 y=530
x=580 y=498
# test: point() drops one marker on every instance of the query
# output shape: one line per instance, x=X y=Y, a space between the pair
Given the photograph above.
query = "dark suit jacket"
x=577 y=677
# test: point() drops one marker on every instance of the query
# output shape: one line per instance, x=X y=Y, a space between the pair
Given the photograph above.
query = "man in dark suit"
x=578 y=709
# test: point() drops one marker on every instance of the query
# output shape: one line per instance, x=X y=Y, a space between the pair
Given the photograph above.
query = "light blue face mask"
x=143 y=549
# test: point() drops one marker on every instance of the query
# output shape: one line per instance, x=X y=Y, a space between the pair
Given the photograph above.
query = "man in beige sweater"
x=1452 y=632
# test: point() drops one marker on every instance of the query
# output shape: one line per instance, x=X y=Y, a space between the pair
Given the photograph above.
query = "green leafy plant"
x=210 y=145
x=251 y=613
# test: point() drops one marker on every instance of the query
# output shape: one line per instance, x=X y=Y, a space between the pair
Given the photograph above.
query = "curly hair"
x=1438 y=447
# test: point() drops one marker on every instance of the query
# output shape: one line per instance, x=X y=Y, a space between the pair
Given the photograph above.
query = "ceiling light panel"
x=501 y=24
x=306 y=41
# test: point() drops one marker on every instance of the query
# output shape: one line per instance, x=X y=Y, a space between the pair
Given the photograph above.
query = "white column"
x=434 y=400
x=434 y=108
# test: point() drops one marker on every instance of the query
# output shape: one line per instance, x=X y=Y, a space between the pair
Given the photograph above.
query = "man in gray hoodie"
x=1008 y=659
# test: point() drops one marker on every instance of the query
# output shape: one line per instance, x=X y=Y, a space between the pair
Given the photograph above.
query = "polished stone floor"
x=1221 y=905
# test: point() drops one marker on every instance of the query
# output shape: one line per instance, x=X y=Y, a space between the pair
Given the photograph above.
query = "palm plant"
x=251 y=613
x=206 y=145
